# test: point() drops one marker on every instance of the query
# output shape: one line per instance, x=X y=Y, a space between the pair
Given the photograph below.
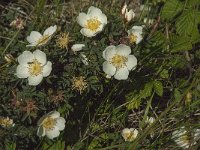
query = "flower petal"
x=84 y=60
x=123 y=50
x=35 y=80
x=137 y=29
x=34 y=37
x=108 y=68
x=139 y=38
x=40 y=121
x=40 y=56
x=122 y=74
x=50 y=30
x=132 y=62
x=82 y=19
x=52 y=133
x=25 y=57
x=41 y=131
x=102 y=18
x=129 y=15
x=60 y=123
x=54 y=114
x=94 y=11
x=22 y=71
x=47 y=69
x=77 y=47
x=87 y=32
x=109 y=52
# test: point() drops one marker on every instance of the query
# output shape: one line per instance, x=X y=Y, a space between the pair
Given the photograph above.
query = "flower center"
x=119 y=61
x=132 y=38
x=6 y=122
x=49 y=123
x=93 y=24
x=184 y=138
x=43 y=40
x=35 y=68
x=79 y=83
x=63 y=40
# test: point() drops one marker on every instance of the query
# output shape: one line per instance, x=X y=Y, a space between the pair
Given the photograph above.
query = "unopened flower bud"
x=9 y=58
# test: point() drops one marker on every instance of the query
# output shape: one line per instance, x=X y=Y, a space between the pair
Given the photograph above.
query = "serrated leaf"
x=158 y=87
x=134 y=104
x=146 y=92
x=164 y=74
x=181 y=43
x=171 y=9
x=187 y=22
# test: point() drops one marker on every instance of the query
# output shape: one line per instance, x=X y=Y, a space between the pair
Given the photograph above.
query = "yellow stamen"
x=93 y=24
x=79 y=83
x=49 y=123
x=119 y=61
x=63 y=40
x=132 y=38
x=6 y=122
x=35 y=68
x=43 y=40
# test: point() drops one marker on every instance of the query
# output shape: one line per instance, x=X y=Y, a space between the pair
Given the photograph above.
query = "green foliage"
x=171 y=9
x=164 y=85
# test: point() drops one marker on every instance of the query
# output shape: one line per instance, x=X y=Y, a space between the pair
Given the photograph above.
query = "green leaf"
x=158 y=87
x=181 y=43
x=177 y=95
x=164 y=74
x=147 y=90
x=192 y=3
x=171 y=9
x=187 y=23
x=134 y=104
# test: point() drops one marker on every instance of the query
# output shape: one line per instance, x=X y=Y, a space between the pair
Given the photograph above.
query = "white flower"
x=196 y=135
x=84 y=59
x=150 y=120
x=181 y=138
x=77 y=47
x=124 y=9
x=118 y=61
x=148 y=21
x=33 y=66
x=135 y=34
x=93 y=22
x=6 y=122
x=37 y=39
x=129 y=134
x=50 y=125
x=129 y=15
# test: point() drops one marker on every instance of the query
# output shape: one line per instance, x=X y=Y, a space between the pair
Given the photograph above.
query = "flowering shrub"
x=121 y=76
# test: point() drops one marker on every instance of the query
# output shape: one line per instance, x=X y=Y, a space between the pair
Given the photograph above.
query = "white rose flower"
x=33 y=66
x=118 y=61
x=149 y=120
x=129 y=134
x=77 y=47
x=93 y=22
x=148 y=21
x=50 y=125
x=124 y=9
x=196 y=134
x=181 y=138
x=135 y=34
x=84 y=59
x=129 y=15
x=37 y=39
